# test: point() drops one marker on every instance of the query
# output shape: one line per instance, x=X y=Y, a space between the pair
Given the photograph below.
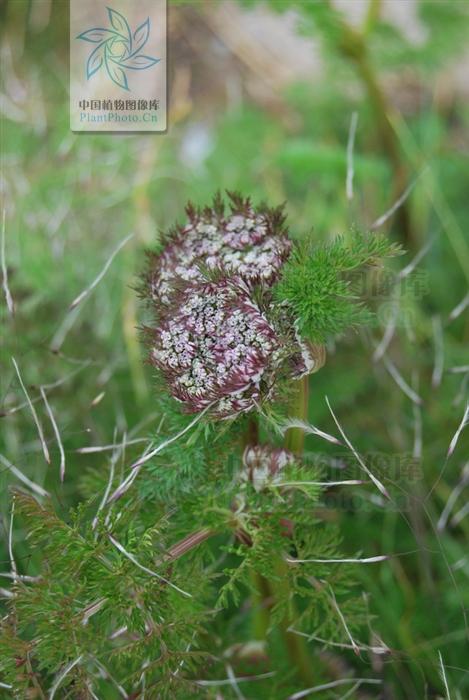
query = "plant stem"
x=251 y=435
x=264 y=595
x=298 y=652
x=295 y=645
x=372 y=16
x=295 y=437
x=352 y=45
x=262 y=601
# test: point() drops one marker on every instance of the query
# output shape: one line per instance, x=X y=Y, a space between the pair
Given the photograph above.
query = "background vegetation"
x=243 y=118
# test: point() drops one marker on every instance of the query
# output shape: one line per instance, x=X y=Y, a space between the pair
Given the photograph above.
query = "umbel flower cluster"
x=250 y=243
x=220 y=341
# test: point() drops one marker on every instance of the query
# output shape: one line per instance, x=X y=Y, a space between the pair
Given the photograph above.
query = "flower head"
x=221 y=341
x=216 y=346
x=262 y=465
x=247 y=242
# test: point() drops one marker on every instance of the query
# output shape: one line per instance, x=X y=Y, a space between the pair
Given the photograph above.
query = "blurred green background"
x=261 y=99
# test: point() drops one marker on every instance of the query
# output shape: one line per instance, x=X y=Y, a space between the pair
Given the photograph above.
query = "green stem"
x=294 y=441
x=295 y=437
x=262 y=600
x=352 y=44
x=372 y=16
x=295 y=645
x=264 y=596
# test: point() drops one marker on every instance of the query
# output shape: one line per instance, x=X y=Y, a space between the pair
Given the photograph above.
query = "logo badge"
x=118 y=65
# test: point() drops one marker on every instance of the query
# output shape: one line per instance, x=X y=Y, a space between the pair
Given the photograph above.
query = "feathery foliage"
x=325 y=285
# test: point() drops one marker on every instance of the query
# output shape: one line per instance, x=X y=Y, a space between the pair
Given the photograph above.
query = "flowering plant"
x=231 y=505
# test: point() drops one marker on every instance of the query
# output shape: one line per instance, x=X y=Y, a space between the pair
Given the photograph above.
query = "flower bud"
x=262 y=465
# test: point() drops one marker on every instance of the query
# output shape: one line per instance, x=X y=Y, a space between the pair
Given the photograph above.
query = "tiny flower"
x=248 y=242
x=262 y=465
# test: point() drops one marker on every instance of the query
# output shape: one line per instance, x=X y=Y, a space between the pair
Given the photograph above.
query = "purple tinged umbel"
x=246 y=242
x=220 y=341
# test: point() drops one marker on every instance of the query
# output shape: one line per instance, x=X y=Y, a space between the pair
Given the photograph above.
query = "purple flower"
x=262 y=465
x=214 y=345
x=247 y=242
x=220 y=341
